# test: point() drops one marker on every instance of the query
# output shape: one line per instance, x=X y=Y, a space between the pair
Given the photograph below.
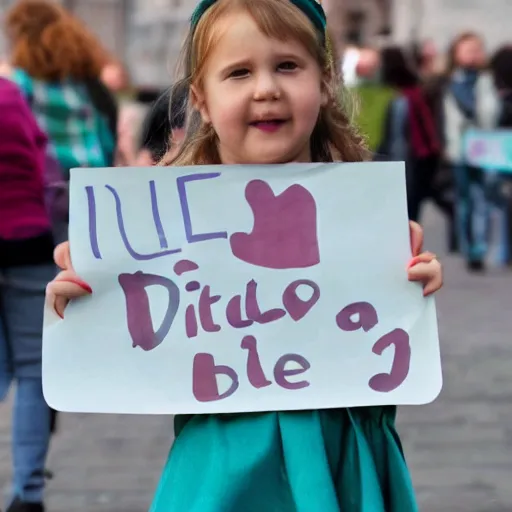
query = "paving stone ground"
x=459 y=448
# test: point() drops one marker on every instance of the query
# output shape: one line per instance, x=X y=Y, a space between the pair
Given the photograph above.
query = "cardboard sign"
x=241 y=288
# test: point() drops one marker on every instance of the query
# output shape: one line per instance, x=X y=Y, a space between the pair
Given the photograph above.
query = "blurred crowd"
x=66 y=103
x=416 y=105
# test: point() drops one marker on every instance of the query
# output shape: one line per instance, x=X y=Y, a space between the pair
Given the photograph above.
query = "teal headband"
x=311 y=8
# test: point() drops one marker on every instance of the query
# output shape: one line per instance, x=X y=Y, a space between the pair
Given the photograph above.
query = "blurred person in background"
x=349 y=64
x=164 y=126
x=428 y=59
x=501 y=69
x=129 y=126
x=411 y=134
x=26 y=267
x=428 y=63
x=470 y=101
x=163 y=129
x=372 y=96
x=115 y=76
x=57 y=64
x=131 y=111
x=5 y=67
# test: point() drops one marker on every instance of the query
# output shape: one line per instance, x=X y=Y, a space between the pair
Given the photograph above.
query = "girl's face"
x=261 y=95
x=470 y=54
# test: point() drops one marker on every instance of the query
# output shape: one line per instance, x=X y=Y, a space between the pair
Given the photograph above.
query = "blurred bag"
x=56 y=191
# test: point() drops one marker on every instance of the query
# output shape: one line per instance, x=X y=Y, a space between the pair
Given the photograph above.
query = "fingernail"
x=57 y=311
x=413 y=262
x=80 y=283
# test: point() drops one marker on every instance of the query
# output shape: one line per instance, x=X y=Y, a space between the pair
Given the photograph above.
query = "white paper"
x=358 y=254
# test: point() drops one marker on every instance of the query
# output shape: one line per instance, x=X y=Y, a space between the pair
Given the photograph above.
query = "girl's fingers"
x=59 y=305
x=429 y=273
x=66 y=286
x=69 y=288
x=424 y=271
x=424 y=257
x=62 y=256
x=416 y=235
x=433 y=286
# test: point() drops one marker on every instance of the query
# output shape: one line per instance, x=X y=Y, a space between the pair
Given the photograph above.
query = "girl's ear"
x=199 y=103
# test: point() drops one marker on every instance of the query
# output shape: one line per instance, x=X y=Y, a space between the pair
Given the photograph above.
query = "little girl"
x=263 y=91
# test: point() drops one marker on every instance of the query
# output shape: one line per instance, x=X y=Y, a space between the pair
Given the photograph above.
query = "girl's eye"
x=288 y=66
x=239 y=73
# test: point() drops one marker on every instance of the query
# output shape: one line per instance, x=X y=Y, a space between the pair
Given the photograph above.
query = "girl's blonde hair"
x=333 y=138
x=50 y=44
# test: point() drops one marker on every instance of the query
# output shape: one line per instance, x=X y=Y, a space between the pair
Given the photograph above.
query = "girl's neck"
x=303 y=158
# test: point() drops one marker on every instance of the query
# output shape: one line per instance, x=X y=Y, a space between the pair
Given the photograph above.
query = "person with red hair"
x=57 y=63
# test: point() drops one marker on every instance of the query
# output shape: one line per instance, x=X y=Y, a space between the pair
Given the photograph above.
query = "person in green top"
x=263 y=91
x=372 y=98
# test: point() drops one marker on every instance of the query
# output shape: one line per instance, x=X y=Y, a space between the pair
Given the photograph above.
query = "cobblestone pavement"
x=459 y=448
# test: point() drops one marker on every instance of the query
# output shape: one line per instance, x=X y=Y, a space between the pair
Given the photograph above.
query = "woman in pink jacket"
x=26 y=266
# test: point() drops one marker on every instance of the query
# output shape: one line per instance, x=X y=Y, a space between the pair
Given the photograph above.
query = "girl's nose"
x=267 y=88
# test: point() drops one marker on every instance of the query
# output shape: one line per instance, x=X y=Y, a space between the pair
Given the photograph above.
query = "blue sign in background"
x=489 y=150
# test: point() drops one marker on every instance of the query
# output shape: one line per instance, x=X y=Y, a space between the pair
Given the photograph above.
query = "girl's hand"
x=424 y=266
x=66 y=285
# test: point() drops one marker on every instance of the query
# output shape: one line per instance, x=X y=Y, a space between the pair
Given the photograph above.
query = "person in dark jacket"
x=501 y=70
x=164 y=126
x=411 y=133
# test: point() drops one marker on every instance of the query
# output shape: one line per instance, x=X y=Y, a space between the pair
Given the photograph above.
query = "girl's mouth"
x=269 y=125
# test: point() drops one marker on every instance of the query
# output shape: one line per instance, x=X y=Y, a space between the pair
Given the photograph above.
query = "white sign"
x=489 y=150
x=231 y=289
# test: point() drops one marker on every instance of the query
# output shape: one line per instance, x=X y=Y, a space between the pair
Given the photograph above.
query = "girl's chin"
x=263 y=159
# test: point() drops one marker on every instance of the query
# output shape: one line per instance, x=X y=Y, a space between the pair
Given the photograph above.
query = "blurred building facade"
x=147 y=34
x=358 y=21
x=441 y=20
x=107 y=18
x=144 y=34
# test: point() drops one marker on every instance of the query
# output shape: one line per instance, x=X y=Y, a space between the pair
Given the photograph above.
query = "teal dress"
x=343 y=460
